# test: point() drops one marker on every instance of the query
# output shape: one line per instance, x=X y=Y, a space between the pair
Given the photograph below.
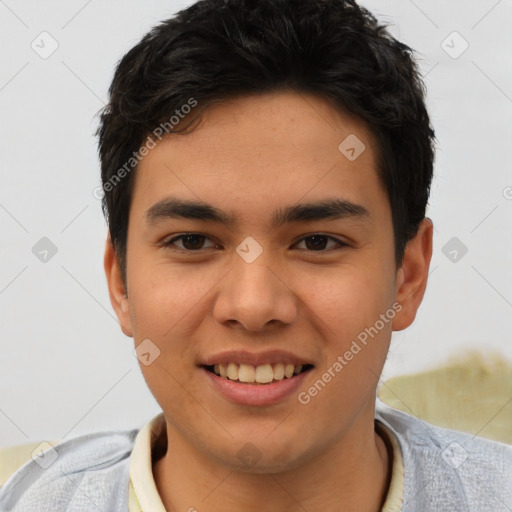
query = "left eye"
x=318 y=242
x=193 y=242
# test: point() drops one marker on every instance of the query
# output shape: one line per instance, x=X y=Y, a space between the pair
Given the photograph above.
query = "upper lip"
x=255 y=359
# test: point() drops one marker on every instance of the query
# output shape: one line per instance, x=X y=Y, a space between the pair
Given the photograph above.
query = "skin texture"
x=251 y=156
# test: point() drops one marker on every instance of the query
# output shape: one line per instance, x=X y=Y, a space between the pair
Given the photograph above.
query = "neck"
x=353 y=474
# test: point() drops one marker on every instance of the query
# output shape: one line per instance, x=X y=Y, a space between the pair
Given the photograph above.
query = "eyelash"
x=169 y=244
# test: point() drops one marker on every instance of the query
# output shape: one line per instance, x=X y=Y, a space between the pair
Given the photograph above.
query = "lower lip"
x=256 y=394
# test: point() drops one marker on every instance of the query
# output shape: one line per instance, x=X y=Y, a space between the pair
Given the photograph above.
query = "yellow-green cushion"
x=14 y=457
x=473 y=394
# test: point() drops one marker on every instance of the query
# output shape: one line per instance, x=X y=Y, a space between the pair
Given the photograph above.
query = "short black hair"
x=217 y=50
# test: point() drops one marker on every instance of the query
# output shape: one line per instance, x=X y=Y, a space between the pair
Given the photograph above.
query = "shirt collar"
x=143 y=492
x=152 y=437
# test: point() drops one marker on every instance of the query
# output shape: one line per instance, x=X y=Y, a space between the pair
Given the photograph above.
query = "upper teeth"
x=262 y=374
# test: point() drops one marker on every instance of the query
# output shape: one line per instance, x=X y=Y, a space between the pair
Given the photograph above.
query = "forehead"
x=264 y=149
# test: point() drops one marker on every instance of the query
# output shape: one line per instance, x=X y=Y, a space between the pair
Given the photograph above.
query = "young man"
x=266 y=168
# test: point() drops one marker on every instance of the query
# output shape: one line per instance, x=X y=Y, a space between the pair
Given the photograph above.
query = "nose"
x=255 y=296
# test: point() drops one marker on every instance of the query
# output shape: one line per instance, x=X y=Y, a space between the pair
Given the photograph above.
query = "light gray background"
x=65 y=366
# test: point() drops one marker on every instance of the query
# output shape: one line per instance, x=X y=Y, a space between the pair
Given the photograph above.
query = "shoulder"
x=449 y=470
x=84 y=473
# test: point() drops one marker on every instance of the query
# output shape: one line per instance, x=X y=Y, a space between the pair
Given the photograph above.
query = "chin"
x=265 y=459
x=265 y=467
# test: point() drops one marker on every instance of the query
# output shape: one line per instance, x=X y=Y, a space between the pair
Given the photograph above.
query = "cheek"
x=347 y=311
x=161 y=297
x=346 y=299
x=355 y=317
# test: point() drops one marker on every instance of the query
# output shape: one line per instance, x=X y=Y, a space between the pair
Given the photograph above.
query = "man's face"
x=258 y=292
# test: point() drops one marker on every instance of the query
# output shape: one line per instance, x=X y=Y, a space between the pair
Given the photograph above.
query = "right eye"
x=190 y=242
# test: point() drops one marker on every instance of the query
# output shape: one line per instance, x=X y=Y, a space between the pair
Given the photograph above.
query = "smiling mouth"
x=261 y=374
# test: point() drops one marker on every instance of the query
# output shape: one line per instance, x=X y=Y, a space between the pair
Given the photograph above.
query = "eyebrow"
x=307 y=212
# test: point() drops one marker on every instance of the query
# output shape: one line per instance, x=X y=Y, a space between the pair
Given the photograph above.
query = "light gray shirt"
x=444 y=471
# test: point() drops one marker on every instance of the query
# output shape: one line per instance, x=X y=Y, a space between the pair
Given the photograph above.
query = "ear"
x=411 y=279
x=116 y=288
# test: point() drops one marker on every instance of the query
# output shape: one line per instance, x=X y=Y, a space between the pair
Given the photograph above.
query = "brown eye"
x=318 y=242
x=191 y=242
